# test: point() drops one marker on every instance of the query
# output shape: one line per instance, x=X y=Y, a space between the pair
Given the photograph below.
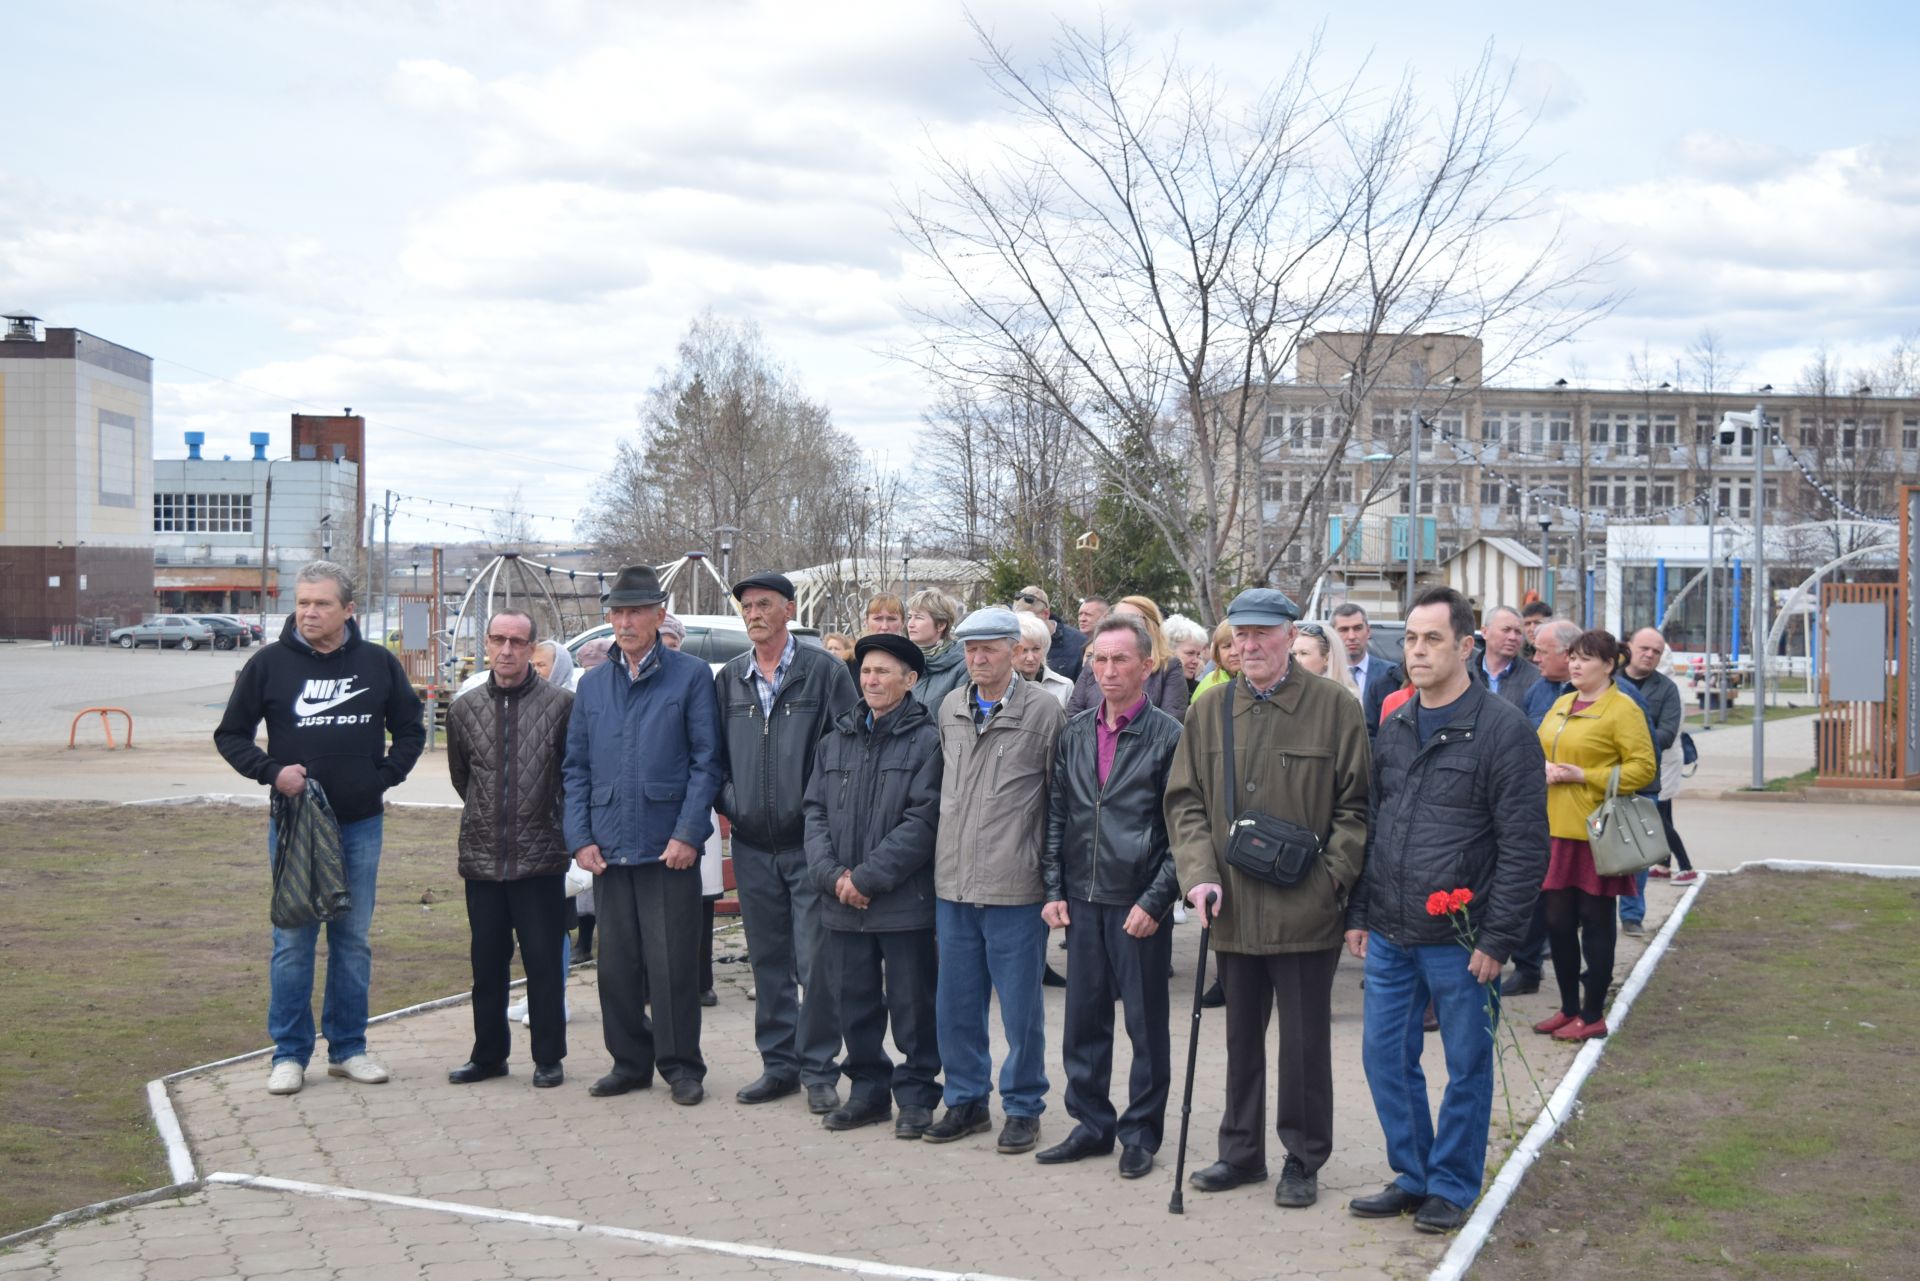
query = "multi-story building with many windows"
x=1552 y=467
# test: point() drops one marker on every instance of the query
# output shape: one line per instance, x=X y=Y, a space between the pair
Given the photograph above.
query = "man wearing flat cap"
x=776 y=702
x=871 y=811
x=997 y=736
x=642 y=770
x=1298 y=774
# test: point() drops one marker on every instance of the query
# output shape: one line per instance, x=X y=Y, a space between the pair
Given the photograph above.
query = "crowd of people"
x=914 y=812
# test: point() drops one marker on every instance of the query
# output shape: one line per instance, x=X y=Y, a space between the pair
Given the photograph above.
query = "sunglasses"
x=1028 y=598
x=1311 y=629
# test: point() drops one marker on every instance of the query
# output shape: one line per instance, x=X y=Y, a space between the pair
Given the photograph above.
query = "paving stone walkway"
x=635 y=1186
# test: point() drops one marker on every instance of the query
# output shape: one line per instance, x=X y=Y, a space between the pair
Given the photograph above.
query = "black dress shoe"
x=1214 y=997
x=1521 y=983
x=1019 y=1134
x=1388 y=1203
x=469 y=1072
x=1440 y=1215
x=1220 y=1176
x=912 y=1122
x=1429 y=1022
x=687 y=1091
x=822 y=1099
x=618 y=1083
x=548 y=1075
x=709 y=997
x=1077 y=1146
x=768 y=1088
x=1135 y=1161
x=858 y=1112
x=1052 y=979
x=959 y=1122
x=1297 y=1189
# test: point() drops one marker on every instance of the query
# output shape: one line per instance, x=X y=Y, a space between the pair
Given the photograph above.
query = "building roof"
x=1512 y=549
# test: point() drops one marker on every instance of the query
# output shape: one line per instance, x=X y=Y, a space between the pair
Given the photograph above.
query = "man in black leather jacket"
x=1108 y=868
x=873 y=809
x=776 y=701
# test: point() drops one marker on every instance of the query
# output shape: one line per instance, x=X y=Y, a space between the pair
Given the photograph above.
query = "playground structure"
x=1868 y=734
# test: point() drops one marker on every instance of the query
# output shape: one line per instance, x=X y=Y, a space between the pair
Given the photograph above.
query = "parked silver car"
x=167 y=630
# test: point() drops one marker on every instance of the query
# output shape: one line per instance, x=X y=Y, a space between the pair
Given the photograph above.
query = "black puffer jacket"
x=873 y=809
x=504 y=750
x=768 y=759
x=1467 y=810
x=1109 y=845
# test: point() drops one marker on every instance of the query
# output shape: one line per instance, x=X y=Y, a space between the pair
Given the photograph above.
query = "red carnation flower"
x=1439 y=903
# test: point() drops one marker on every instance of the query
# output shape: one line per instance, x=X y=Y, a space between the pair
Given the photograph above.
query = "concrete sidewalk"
x=709 y=1180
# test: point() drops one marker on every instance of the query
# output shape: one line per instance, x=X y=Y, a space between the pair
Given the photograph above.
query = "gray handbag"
x=1625 y=833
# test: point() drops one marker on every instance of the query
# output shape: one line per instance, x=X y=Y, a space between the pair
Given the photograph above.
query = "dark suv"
x=227 y=634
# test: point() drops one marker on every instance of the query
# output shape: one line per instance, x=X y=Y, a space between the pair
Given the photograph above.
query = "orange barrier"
x=105 y=724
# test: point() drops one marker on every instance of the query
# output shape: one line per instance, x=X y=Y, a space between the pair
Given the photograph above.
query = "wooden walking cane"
x=1177 y=1205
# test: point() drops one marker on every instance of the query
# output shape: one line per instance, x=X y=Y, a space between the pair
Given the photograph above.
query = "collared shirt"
x=1262 y=695
x=1359 y=669
x=1494 y=678
x=648 y=661
x=1106 y=738
x=768 y=690
x=983 y=710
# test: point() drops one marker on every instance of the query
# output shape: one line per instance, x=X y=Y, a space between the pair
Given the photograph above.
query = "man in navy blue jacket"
x=329 y=700
x=642 y=771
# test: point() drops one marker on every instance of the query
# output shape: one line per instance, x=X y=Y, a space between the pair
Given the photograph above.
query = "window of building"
x=1276 y=426
x=1492 y=493
x=1666 y=429
x=1870 y=437
x=1596 y=493
x=203 y=513
x=1910 y=433
x=1662 y=495
x=1449 y=493
x=1493 y=428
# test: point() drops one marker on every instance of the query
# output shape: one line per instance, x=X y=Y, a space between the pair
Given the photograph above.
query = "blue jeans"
x=1633 y=907
x=1447 y=1159
x=987 y=952
x=343 y=1015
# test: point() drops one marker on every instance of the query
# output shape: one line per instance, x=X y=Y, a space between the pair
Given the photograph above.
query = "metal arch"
x=1801 y=592
x=493 y=587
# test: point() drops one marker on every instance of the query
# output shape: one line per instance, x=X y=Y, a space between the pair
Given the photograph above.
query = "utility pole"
x=386 y=568
x=1759 y=598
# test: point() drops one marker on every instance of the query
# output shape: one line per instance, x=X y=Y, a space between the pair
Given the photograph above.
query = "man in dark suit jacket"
x=1375 y=676
x=1502 y=669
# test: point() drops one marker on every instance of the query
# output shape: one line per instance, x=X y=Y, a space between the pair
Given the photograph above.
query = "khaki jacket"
x=1613 y=731
x=993 y=797
x=1300 y=755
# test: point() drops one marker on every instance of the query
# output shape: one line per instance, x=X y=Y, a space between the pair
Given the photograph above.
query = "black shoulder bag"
x=1264 y=846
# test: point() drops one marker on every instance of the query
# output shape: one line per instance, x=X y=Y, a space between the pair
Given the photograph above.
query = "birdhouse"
x=1087 y=542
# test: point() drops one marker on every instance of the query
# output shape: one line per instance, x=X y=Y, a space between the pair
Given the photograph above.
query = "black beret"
x=895 y=646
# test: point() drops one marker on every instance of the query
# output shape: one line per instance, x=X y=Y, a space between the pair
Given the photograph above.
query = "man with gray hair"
x=330 y=701
x=1503 y=669
x=997 y=735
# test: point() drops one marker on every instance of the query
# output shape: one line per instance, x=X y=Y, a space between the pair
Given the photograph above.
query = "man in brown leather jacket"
x=505 y=742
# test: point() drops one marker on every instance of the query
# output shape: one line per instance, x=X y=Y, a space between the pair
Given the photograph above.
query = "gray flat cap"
x=991 y=623
x=1262 y=607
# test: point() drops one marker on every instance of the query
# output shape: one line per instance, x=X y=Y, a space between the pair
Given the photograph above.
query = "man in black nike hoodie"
x=329 y=700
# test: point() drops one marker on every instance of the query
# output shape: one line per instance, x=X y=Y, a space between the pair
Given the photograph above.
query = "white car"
x=714 y=637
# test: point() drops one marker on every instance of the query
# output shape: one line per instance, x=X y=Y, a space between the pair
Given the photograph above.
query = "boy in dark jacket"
x=872 y=808
x=329 y=700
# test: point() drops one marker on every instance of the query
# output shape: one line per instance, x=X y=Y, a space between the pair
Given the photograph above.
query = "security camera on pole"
x=1755 y=425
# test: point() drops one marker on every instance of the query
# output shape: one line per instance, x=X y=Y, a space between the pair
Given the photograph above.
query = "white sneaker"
x=286 y=1078
x=361 y=1068
x=1179 y=912
x=518 y=1013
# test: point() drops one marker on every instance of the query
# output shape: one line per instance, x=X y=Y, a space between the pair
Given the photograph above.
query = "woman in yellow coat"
x=1590 y=730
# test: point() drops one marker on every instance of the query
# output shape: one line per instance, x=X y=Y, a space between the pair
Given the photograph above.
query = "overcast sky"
x=483 y=225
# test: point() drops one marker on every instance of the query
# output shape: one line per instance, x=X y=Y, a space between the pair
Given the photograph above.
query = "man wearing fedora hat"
x=642 y=769
x=872 y=809
x=776 y=701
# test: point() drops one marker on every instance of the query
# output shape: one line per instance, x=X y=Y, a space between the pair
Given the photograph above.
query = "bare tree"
x=728 y=438
x=1841 y=451
x=508 y=529
x=1149 y=252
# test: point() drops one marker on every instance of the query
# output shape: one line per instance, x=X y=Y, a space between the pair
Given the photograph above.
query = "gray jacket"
x=993 y=797
x=1520 y=678
x=1662 y=700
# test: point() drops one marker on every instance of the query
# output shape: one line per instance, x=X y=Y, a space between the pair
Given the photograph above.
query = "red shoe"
x=1552 y=1024
x=1581 y=1030
x=1659 y=872
x=1685 y=878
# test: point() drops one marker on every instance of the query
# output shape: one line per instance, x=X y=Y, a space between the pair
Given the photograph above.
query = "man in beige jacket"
x=1300 y=753
x=997 y=736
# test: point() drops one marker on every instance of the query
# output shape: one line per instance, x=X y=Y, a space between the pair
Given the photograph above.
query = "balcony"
x=1379 y=540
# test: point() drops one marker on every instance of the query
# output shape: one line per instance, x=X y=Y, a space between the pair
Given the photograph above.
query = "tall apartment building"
x=76 y=479
x=1562 y=463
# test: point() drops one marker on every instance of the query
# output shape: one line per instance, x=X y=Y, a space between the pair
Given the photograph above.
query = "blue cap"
x=1262 y=607
x=992 y=623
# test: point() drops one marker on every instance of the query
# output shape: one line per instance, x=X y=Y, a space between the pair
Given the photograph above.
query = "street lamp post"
x=906 y=558
x=1546 y=523
x=1413 y=512
x=1759 y=598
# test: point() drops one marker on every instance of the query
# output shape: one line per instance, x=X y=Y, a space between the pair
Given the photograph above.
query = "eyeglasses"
x=1311 y=629
x=508 y=642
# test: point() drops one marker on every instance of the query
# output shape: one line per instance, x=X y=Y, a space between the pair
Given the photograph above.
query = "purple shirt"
x=1106 y=740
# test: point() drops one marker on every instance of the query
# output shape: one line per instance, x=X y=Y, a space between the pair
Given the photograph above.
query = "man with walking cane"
x=1276 y=828
x=1460 y=796
x=1109 y=873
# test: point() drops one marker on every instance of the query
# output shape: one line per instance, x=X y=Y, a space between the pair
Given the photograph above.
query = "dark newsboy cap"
x=766 y=582
x=635 y=585
x=894 y=647
x=1262 y=607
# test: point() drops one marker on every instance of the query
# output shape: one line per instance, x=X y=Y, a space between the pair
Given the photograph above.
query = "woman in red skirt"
x=1590 y=730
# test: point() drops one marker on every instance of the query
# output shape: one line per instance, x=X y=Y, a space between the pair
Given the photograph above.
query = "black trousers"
x=1582 y=926
x=1531 y=955
x=650 y=923
x=1674 y=843
x=535 y=910
x=1300 y=984
x=878 y=979
x=1105 y=963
